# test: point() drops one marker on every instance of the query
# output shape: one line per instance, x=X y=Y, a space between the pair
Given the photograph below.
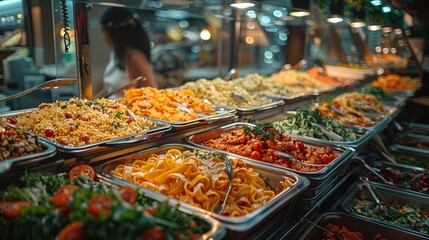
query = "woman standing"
x=131 y=50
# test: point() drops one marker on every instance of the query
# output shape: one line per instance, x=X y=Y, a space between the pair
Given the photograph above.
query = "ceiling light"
x=335 y=19
x=110 y=4
x=299 y=13
x=242 y=5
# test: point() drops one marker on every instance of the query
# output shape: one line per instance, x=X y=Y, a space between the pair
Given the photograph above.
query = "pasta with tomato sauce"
x=261 y=144
x=200 y=179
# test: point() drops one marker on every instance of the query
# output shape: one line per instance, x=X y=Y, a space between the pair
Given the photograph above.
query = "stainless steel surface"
x=336 y=236
x=239 y=97
x=291 y=158
x=383 y=150
x=219 y=208
x=345 y=152
x=59 y=82
x=275 y=102
x=272 y=177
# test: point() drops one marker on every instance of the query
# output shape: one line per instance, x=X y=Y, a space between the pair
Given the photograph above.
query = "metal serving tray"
x=275 y=102
x=27 y=160
x=414 y=152
x=385 y=194
x=345 y=152
x=272 y=176
x=354 y=224
x=80 y=150
x=400 y=167
x=221 y=114
x=366 y=134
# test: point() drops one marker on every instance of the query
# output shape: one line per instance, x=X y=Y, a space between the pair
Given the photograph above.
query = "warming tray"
x=385 y=194
x=222 y=113
x=216 y=229
x=401 y=167
x=354 y=224
x=366 y=134
x=238 y=224
x=275 y=102
x=345 y=152
x=158 y=129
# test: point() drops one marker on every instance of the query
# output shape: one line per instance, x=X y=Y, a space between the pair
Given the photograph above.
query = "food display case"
x=227 y=71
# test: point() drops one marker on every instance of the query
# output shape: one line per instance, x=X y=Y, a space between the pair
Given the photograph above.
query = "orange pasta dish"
x=160 y=104
x=200 y=179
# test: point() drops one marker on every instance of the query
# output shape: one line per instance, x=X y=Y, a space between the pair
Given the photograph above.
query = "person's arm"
x=138 y=65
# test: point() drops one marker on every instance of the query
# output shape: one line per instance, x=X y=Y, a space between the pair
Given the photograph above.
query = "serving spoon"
x=330 y=134
x=219 y=208
x=55 y=83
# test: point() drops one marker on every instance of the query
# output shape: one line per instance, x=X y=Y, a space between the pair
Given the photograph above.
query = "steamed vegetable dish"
x=301 y=124
x=48 y=206
x=413 y=160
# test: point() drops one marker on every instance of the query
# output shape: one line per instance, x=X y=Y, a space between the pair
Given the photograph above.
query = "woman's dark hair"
x=124 y=30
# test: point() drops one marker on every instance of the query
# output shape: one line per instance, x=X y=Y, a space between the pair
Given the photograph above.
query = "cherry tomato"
x=129 y=120
x=257 y=146
x=49 y=132
x=114 y=106
x=73 y=231
x=68 y=115
x=81 y=169
x=97 y=108
x=72 y=128
x=325 y=159
x=128 y=194
x=13 y=208
x=64 y=141
x=67 y=189
x=255 y=155
x=86 y=118
x=12 y=120
x=84 y=138
x=61 y=202
x=100 y=204
x=10 y=132
x=151 y=211
x=154 y=233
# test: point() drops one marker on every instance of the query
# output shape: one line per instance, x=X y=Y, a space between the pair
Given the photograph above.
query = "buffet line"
x=213 y=159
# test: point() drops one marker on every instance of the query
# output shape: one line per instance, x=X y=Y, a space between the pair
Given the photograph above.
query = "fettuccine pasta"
x=200 y=179
x=159 y=104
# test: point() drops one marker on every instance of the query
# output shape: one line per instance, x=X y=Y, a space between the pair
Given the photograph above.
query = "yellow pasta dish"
x=159 y=104
x=200 y=179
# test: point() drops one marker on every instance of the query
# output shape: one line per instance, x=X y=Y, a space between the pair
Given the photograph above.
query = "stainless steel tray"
x=397 y=166
x=365 y=135
x=159 y=128
x=275 y=102
x=221 y=114
x=385 y=194
x=419 y=157
x=273 y=176
x=26 y=160
x=354 y=224
x=345 y=152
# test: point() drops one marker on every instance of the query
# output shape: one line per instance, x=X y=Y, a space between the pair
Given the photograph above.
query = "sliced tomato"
x=128 y=194
x=151 y=211
x=154 y=234
x=73 y=231
x=12 y=208
x=100 y=204
x=257 y=146
x=80 y=170
x=12 y=120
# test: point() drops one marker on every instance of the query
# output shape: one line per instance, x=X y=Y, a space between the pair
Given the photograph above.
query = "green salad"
x=48 y=206
x=378 y=93
x=300 y=124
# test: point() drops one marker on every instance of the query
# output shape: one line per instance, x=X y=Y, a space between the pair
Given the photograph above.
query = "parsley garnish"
x=259 y=130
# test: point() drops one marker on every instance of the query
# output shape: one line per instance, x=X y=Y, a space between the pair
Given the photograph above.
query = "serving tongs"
x=372 y=170
x=131 y=84
x=219 y=208
x=293 y=159
x=330 y=134
x=380 y=206
x=55 y=83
